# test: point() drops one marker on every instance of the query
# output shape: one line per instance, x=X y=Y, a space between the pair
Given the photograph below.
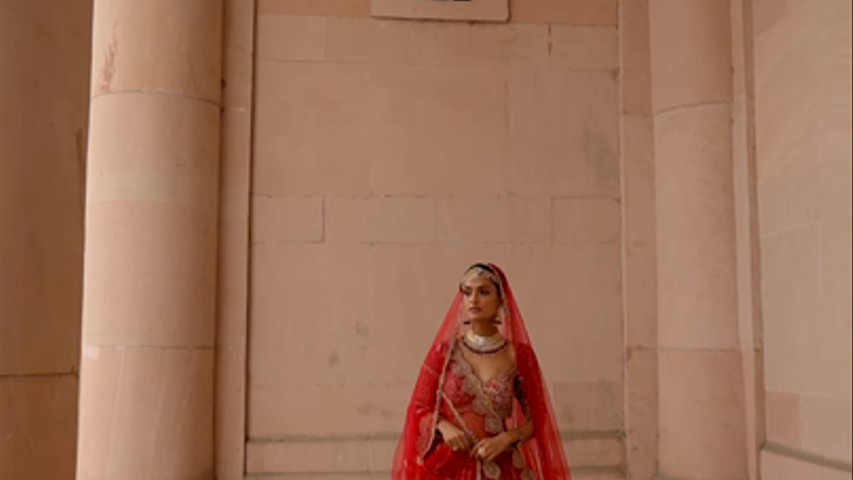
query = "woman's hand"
x=488 y=449
x=453 y=436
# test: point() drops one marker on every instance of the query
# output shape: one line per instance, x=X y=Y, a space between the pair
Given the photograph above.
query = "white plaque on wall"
x=460 y=10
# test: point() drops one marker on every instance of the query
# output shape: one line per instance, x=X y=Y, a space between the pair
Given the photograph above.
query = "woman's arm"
x=522 y=433
x=453 y=435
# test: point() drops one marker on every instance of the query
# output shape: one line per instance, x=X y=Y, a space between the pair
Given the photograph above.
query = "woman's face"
x=481 y=300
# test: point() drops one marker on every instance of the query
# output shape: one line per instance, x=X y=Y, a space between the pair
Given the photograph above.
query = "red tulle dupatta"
x=543 y=452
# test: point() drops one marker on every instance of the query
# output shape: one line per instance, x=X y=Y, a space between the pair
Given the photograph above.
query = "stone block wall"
x=803 y=134
x=388 y=156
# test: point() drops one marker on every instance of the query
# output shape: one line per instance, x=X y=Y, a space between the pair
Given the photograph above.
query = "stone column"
x=146 y=393
x=233 y=267
x=702 y=418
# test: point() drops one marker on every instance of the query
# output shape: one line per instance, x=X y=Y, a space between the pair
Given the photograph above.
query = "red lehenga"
x=447 y=387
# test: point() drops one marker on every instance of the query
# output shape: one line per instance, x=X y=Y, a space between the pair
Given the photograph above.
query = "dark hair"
x=491 y=270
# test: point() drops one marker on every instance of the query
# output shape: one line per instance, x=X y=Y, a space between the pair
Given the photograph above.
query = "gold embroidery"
x=492 y=470
x=482 y=404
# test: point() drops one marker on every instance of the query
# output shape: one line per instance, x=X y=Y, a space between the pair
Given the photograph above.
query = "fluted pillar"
x=146 y=394
x=701 y=398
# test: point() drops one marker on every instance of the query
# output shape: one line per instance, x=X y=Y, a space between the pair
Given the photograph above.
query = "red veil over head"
x=543 y=452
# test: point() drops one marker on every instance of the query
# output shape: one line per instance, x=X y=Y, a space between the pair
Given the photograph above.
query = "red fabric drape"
x=543 y=453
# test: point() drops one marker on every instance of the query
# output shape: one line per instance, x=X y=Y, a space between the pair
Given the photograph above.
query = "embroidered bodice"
x=482 y=408
x=492 y=399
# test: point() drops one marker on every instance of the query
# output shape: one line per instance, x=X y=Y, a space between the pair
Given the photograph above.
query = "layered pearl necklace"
x=484 y=345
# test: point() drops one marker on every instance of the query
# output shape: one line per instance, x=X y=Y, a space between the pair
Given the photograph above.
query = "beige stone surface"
x=386 y=122
x=294 y=38
x=589 y=406
x=333 y=8
x=803 y=86
x=595 y=452
x=836 y=274
x=803 y=198
x=233 y=240
x=331 y=293
x=695 y=228
x=691 y=52
x=638 y=178
x=635 y=57
x=790 y=278
x=44 y=79
x=325 y=410
x=287 y=219
x=495 y=219
x=155 y=412
x=238 y=46
x=149 y=302
x=290 y=151
x=437 y=129
x=563 y=132
x=585 y=48
x=806 y=356
x=639 y=242
x=133 y=299
x=450 y=219
x=641 y=306
x=747 y=227
x=590 y=220
x=235 y=170
x=355 y=282
x=572 y=303
x=322 y=455
x=39 y=422
x=378 y=219
x=782 y=467
x=43 y=127
x=784 y=423
x=571 y=12
x=702 y=432
x=155 y=51
x=599 y=474
x=229 y=412
x=139 y=151
x=826 y=427
x=484 y=11
x=352 y=40
x=641 y=412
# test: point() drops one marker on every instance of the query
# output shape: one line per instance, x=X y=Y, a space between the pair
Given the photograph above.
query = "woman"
x=480 y=408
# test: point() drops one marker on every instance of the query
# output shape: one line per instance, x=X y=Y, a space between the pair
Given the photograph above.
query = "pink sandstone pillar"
x=147 y=368
x=702 y=431
x=233 y=265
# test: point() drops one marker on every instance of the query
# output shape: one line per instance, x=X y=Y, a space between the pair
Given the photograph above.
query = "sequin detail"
x=492 y=470
x=492 y=399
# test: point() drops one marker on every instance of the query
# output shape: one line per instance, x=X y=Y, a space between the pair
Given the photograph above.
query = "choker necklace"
x=484 y=345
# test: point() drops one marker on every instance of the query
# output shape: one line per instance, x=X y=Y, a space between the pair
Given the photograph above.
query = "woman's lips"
x=474 y=310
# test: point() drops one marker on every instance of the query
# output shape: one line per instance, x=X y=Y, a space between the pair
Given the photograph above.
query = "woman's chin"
x=482 y=320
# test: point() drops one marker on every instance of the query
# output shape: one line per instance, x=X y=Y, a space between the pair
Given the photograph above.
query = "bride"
x=480 y=407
